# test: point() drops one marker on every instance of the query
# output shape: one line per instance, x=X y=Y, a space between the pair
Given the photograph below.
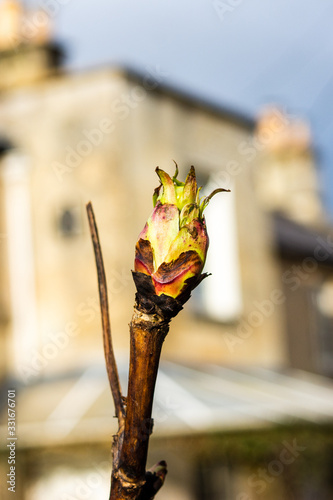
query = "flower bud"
x=172 y=246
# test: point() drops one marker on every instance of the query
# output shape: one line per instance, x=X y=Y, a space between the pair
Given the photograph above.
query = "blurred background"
x=95 y=95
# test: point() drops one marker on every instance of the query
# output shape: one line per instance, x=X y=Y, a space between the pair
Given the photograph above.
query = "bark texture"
x=129 y=477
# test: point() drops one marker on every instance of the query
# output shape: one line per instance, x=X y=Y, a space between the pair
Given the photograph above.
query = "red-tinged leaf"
x=144 y=257
x=143 y=233
x=170 y=277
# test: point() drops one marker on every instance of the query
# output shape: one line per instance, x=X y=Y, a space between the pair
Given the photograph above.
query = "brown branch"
x=111 y=366
x=147 y=336
x=130 y=481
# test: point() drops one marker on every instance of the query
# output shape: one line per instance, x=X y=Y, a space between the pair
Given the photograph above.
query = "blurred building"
x=245 y=367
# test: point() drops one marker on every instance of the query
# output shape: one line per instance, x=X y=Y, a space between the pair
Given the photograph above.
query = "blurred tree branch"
x=110 y=361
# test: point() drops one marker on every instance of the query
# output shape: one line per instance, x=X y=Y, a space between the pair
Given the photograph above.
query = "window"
x=214 y=481
x=69 y=222
x=324 y=300
x=219 y=296
x=310 y=327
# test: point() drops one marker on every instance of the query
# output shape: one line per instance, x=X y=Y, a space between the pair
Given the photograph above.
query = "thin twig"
x=111 y=365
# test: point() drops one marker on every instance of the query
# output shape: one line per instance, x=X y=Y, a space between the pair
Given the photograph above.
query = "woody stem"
x=147 y=333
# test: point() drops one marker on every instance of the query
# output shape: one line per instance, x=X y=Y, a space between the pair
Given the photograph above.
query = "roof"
x=295 y=241
x=190 y=99
x=188 y=400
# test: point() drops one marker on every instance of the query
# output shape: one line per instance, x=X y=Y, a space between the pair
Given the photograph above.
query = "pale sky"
x=241 y=54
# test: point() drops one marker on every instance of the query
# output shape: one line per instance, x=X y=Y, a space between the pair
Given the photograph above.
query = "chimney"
x=27 y=54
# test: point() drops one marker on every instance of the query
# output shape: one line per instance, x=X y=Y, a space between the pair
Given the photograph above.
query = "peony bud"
x=173 y=245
